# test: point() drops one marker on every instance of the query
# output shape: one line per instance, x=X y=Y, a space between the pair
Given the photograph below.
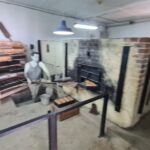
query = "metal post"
x=104 y=113
x=52 y=130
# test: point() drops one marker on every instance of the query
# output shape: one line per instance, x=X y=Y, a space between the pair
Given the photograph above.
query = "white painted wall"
x=134 y=30
x=28 y=25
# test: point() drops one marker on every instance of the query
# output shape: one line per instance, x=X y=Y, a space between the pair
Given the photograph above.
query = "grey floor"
x=77 y=133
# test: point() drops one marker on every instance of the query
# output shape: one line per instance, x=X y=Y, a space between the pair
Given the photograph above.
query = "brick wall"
x=88 y=54
x=141 y=57
x=108 y=54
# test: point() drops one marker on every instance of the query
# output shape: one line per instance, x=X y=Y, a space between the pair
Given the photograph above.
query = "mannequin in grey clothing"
x=33 y=71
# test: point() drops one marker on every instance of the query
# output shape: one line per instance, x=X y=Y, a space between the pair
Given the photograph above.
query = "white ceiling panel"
x=130 y=12
x=107 y=12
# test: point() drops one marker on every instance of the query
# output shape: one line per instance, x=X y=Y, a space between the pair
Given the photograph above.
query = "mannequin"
x=33 y=72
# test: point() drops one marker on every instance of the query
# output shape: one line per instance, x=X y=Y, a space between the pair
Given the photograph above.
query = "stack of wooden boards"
x=12 y=60
x=61 y=103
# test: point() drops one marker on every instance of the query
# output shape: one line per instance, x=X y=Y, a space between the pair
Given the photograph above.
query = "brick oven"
x=121 y=65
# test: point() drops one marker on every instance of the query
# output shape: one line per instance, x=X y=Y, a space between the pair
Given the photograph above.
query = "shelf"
x=8 y=44
x=11 y=51
x=12 y=59
x=8 y=92
x=10 y=75
x=14 y=54
x=5 y=58
x=15 y=65
x=12 y=83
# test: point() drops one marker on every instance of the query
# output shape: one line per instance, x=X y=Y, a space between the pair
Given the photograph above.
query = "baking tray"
x=92 y=88
x=61 y=102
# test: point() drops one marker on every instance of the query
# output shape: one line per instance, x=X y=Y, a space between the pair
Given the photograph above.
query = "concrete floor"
x=137 y=138
x=77 y=133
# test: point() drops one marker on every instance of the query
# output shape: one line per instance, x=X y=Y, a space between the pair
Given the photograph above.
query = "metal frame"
x=52 y=120
x=122 y=76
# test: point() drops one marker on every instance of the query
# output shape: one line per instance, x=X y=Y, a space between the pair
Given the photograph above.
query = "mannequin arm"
x=44 y=68
x=25 y=73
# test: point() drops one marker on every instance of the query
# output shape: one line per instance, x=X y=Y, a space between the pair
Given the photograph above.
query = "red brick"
x=144 y=40
x=134 y=39
x=143 y=50
x=142 y=61
x=142 y=76
x=143 y=70
x=147 y=46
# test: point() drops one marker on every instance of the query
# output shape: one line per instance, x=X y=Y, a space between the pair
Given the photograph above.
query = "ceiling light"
x=63 y=29
x=85 y=26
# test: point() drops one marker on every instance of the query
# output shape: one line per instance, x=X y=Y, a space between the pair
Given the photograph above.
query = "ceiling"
x=109 y=12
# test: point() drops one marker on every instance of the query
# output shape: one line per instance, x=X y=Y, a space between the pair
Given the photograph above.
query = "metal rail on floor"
x=52 y=120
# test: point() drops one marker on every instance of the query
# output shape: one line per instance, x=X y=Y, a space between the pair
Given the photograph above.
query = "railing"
x=52 y=120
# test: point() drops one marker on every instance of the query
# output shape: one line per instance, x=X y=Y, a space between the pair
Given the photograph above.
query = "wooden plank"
x=11 y=44
x=12 y=92
x=12 y=88
x=10 y=75
x=5 y=58
x=8 y=66
x=12 y=51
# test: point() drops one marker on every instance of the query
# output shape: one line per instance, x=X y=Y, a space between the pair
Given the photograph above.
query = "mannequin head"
x=35 y=56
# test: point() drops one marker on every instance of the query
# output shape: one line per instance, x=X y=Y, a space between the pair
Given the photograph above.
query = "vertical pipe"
x=104 y=113
x=49 y=132
x=40 y=54
x=39 y=50
x=52 y=130
x=66 y=59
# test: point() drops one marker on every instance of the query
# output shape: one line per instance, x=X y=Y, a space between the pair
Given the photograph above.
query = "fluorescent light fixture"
x=63 y=33
x=85 y=26
x=63 y=29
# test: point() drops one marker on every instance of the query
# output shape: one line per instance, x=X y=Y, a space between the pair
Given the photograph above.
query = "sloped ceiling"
x=108 y=12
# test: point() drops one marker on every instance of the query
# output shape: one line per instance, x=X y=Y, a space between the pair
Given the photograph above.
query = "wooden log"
x=5 y=58
x=12 y=51
x=11 y=44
